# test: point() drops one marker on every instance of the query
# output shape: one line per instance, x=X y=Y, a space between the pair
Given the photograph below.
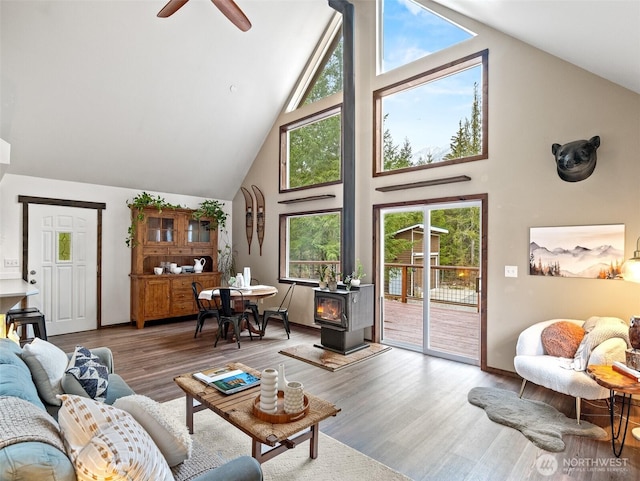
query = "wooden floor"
x=452 y=329
x=405 y=409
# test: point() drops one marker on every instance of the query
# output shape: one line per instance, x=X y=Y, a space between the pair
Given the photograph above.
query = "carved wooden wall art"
x=260 y=215
x=248 y=201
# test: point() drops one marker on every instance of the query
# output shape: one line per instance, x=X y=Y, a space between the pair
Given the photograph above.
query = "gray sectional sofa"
x=25 y=456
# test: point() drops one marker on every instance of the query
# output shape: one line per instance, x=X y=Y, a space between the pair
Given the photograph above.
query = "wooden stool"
x=28 y=317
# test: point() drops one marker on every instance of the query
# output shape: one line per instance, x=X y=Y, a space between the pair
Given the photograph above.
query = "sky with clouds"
x=426 y=115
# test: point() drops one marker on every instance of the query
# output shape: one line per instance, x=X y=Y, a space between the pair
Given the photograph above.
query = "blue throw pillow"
x=92 y=376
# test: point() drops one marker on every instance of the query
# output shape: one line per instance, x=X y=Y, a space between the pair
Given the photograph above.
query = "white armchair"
x=533 y=364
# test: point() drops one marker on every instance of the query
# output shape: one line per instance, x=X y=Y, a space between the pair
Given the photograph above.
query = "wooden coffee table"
x=237 y=409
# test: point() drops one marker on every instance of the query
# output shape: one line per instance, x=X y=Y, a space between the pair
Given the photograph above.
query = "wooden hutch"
x=170 y=235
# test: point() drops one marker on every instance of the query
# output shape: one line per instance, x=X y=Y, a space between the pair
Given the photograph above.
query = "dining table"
x=249 y=293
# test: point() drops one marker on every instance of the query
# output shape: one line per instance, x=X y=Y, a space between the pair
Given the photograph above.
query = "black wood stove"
x=343 y=316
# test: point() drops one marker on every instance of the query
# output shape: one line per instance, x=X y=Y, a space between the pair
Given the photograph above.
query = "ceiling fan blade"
x=171 y=7
x=233 y=13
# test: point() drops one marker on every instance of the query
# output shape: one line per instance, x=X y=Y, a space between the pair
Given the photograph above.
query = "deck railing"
x=448 y=284
x=403 y=282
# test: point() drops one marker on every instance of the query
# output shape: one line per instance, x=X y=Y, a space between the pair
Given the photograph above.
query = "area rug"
x=332 y=361
x=336 y=461
x=542 y=424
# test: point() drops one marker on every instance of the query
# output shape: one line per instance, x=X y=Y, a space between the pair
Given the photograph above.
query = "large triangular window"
x=408 y=31
x=328 y=78
x=310 y=147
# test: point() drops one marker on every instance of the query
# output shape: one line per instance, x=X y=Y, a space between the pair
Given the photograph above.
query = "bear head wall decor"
x=576 y=160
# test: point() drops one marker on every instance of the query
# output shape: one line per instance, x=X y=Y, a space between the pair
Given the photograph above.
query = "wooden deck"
x=453 y=329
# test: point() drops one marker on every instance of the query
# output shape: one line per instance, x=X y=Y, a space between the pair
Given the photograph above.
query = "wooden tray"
x=280 y=417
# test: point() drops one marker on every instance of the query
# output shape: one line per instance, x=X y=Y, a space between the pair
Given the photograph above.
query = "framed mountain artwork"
x=591 y=251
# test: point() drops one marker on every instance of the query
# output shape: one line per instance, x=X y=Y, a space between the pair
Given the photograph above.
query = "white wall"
x=116 y=220
x=535 y=100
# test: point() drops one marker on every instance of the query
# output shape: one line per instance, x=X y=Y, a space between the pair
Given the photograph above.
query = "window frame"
x=283 y=249
x=480 y=58
x=284 y=147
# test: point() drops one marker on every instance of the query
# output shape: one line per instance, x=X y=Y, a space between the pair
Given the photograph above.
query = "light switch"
x=511 y=271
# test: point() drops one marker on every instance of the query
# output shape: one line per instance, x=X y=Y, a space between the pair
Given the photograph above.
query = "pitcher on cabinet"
x=198 y=265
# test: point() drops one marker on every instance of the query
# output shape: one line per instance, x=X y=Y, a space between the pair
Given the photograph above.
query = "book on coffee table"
x=229 y=381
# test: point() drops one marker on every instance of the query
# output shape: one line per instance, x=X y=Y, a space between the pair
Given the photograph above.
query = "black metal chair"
x=252 y=306
x=205 y=310
x=224 y=304
x=282 y=311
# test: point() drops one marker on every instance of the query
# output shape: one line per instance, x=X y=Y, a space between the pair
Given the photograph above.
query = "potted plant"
x=227 y=262
x=332 y=279
x=357 y=275
x=322 y=282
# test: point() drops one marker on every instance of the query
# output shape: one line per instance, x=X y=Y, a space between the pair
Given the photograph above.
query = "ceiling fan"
x=228 y=8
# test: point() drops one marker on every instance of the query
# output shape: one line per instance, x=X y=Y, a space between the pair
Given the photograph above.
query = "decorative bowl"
x=176 y=270
x=158 y=270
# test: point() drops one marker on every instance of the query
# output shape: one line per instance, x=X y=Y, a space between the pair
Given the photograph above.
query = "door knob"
x=32 y=281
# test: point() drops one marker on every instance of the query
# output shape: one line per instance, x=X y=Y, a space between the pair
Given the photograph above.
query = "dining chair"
x=252 y=306
x=224 y=304
x=205 y=310
x=282 y=311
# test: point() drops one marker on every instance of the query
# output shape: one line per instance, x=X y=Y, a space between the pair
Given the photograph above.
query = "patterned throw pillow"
x=90 y=373
x=107 y=444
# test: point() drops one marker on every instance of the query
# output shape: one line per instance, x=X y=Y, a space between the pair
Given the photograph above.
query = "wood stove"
x=343 y=316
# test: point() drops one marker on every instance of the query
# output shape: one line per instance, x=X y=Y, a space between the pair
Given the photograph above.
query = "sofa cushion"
x=170 y=434
x=35 y=461
x=47 y=364
x=561 y=339
x=106 y=443
x=15 y=377
x=91 y=375
x=32 y=448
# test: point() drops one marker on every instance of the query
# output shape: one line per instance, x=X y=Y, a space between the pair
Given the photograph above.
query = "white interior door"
x=63 y=264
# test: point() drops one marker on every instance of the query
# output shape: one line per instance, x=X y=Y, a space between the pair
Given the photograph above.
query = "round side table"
x=624 y=385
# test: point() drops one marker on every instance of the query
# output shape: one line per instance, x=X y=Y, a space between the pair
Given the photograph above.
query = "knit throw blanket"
x=21 y=422
x=598 y=330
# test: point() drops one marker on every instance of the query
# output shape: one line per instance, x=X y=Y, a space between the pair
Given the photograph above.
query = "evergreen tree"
x=467 y=141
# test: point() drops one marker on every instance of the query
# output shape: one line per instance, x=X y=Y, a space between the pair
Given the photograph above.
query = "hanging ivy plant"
x=141 y=202
x=211 y=209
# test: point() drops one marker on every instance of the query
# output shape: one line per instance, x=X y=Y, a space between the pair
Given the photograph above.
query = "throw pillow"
x=106 y=443
x=91 y=375
x=561 y=339
x=169 y=433
x=47 y=364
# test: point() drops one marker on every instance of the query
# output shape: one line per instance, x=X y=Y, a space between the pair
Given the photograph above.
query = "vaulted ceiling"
x=104 y=92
